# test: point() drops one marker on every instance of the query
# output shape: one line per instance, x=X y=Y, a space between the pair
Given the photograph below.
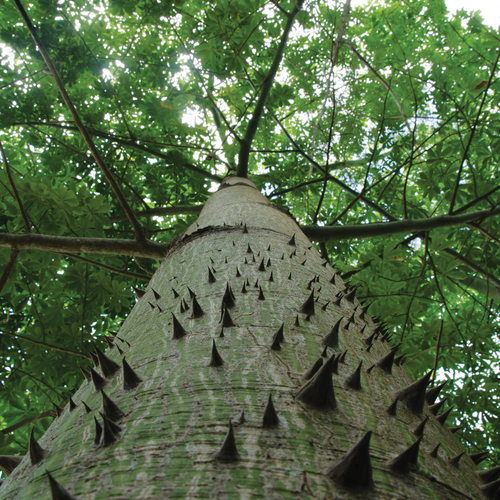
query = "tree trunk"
x=175 y=420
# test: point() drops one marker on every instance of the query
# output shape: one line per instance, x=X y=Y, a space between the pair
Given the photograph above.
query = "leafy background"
x=167 y=89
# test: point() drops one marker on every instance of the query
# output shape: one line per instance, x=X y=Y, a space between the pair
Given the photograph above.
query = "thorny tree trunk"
x=176 y=419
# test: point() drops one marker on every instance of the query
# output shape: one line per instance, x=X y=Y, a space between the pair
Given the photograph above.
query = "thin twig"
x=420 y=276
x=173 y=210
x=325 y=179
x=445 y=304
x=437 y=353
x=336 y=48
x=44 y=344
x=40 y=381
x=474 y=267
x=471 y=135
x=115 y=270
x=321 y=169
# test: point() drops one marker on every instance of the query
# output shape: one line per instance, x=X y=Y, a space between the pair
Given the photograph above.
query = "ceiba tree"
x=248 y=367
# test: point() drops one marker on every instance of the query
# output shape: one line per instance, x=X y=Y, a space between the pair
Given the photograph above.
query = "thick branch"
x=174 y=210
x=43 y=344
x=139 y=234
x=253 y=124
x=322 y=233
x=61 y=244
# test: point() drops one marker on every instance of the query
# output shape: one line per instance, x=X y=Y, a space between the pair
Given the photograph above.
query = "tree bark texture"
x=175 y=421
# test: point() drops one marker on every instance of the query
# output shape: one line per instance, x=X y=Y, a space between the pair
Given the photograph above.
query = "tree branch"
x=322 y=233
x=131 y=144
x=484 y=287
x=173 y=210
x=27 y=223
x=14 y=252
x=379 y=77
x=246 y=143
x=339 y=183
x=109 y=268
x=336 y=49
x=40 y=381
x=62 y=244
x=469 y=142
x=43 y=344
x=474 y=267
x=139 y=234
x=28 y=421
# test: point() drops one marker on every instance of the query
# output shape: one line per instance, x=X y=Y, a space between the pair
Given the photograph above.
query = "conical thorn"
x=318 y=391
x=270 y=418
x=130 y=378
x=228 y=451
x=108 y=366
x=216 y=359
x=110 y=408
x=57 y=491
x=413 y=396
x=405 y=460
x=354 y=380
x=178 y=330
x=354 y=470
x=35 y=451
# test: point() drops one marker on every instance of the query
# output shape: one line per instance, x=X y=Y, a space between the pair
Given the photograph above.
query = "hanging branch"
x=173 y=210
x=339 y=183
x=39 y=381
x=379 y=77
x=43 y=344
x=139 y=234
x=28 y=421
x=325 y=179
x=318 y=233
x=246 y=143
x=131 y=144
x=14 y=252
x=62 y=244
x=337 y=45
x=474 y=267
x=438 y=345
x=469 y=142
x=445 y=304
x=414 y=294
x=109 y=268
x=27 y=223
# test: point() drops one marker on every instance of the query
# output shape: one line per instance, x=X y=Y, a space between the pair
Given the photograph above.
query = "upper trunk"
x=176 y=419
